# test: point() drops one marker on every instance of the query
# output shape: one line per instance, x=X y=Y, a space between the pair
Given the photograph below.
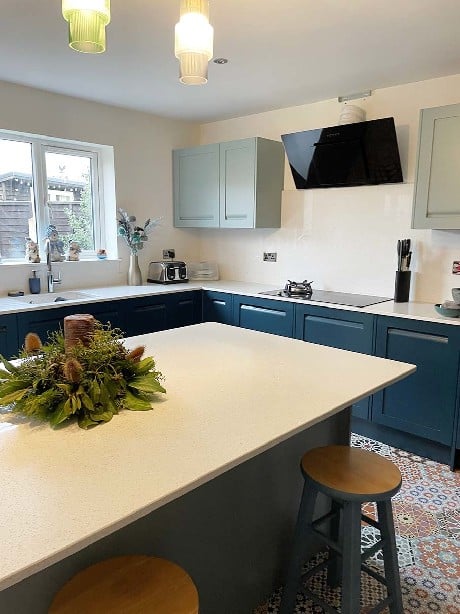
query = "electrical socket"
x=270 y=256
x=169 y=253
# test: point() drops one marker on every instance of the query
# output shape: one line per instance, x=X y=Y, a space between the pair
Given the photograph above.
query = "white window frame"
x=41 y=145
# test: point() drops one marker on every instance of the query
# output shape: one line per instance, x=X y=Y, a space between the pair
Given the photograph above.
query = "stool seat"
x=128 y=585
x=351 y=472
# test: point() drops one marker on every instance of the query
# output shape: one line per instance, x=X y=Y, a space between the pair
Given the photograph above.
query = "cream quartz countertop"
x=64 y=489
x=411 y=310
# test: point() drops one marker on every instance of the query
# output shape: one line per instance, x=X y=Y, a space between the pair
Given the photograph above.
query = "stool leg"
x=299 y=548
x=351 y=558
x=390 y=555
x=333 y=568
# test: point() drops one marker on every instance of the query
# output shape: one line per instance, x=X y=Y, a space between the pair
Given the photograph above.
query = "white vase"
x=134 y=272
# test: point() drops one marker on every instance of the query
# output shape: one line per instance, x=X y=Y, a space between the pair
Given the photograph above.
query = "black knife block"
x=402 y=286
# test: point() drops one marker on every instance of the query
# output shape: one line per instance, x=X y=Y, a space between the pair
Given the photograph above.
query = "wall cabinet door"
x=437 y=183
x=265 y=315
x=8 y=335
x=346 y=330
x=424 y=403
x=217 y=307
x=237 y=184
x=196 y=186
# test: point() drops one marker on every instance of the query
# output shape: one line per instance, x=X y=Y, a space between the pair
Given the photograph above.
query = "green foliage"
x=91 y=383
x=81 y=221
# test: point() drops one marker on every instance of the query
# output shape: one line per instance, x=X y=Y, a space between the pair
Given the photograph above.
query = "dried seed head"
x=136 y=354
x=72 y=370
x=32 y=343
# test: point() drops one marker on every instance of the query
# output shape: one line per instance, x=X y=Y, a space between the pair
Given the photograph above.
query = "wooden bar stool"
x=128 y=585
x=349 y=477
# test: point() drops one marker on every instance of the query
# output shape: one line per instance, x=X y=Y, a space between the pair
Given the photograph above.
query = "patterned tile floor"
x=427 y=524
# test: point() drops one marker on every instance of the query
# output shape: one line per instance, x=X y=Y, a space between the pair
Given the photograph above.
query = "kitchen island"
x=208 y=478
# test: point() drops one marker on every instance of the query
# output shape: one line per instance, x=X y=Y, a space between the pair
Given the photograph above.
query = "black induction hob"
x=336 y=298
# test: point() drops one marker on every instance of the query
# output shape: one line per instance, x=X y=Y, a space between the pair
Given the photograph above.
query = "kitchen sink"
x=49 y=298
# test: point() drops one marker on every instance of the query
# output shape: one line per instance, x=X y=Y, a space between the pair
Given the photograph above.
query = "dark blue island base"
x=231 y=534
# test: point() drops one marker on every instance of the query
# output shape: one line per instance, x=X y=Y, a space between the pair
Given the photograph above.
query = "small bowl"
x=449 y=312
x=456 y=295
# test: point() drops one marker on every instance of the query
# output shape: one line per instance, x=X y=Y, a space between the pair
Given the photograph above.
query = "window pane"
x=70 y=199
x=17 y=211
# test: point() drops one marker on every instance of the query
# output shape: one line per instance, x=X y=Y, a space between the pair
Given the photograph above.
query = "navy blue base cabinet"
x=346 y=330
x=217 y=307
x=265 y=315
x=424 y=403
x=43 y=321
x=149 y=314
x=8 y=335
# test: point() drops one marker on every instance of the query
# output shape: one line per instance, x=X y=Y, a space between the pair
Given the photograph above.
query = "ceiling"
x=281 y=52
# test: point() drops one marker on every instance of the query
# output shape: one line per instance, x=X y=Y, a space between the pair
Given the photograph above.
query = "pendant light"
x=194 y=41
x=87 y=21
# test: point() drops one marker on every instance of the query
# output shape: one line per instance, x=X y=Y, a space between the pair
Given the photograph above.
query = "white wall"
x=142 y=147
x=344 y=238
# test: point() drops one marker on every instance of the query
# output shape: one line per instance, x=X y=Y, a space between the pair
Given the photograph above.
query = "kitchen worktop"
x=411 y=310
x=64 y=489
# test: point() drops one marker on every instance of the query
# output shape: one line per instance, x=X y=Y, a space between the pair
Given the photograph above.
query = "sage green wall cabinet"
x=196 y=187
x=237 y=184
x=437 y=182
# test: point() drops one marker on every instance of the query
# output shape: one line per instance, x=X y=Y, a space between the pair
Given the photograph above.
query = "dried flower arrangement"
x=91 y=378
x=134 y=235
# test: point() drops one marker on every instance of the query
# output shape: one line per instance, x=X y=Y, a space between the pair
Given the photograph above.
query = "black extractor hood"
x=363 y=153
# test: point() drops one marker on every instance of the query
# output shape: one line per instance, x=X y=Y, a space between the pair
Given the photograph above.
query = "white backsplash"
x=342 y=239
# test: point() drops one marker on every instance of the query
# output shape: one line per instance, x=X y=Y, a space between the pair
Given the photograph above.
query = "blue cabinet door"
x=8 y=335
x=107 y=312
x=217 y=307
x=184 y=309
x=42 y=322
x=346 y=330
x=147 y=314
x=424 y=403
x=265 y=315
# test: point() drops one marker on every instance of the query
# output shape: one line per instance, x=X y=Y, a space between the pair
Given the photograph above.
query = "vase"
x=134 y=272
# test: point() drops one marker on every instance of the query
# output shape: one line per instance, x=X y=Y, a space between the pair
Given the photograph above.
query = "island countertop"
x=231 y=394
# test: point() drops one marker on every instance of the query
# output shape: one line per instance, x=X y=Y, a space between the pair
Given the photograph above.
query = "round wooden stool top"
x=351 y=473
x=128 y=585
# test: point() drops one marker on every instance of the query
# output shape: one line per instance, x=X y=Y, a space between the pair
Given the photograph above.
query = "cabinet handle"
x=3 y=329
x=263 y=310
x=196 y=217
x=236 y=216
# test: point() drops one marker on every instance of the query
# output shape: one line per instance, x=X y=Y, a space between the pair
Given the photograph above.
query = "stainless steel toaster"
x=167 y=272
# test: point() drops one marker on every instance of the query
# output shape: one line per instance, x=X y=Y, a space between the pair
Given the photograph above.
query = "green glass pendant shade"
x=87 y=22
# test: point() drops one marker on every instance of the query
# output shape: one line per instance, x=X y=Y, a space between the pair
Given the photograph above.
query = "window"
x=49 y=182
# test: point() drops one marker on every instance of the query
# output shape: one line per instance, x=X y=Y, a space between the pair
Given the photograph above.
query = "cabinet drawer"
x=265 y=315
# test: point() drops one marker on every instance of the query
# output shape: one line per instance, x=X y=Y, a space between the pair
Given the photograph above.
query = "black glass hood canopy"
x=363 y=153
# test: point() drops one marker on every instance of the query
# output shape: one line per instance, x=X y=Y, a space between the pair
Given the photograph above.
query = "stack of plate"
x=201 y=271
x=351 y=114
